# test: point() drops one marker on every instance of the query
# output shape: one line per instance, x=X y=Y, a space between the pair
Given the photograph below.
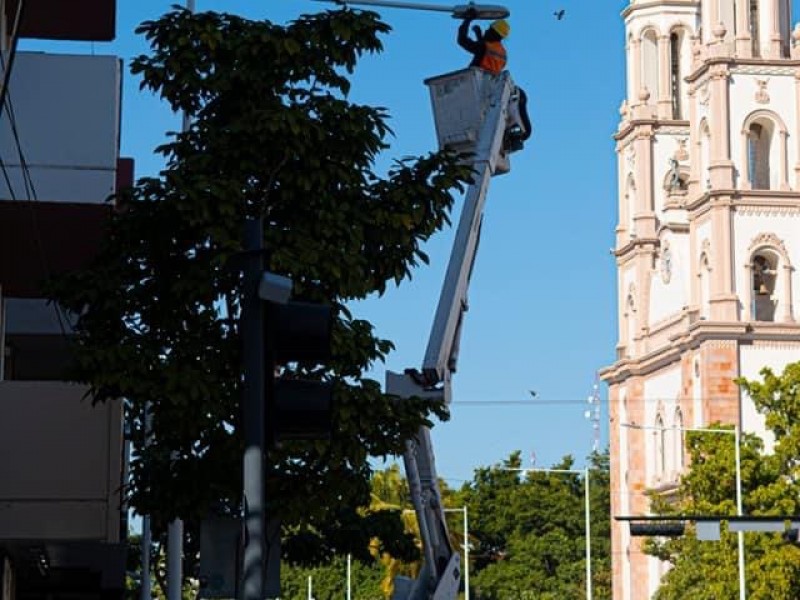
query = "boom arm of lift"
x=499 y=123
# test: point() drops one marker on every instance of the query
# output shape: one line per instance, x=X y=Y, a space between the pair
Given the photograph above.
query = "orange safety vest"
x=494 y=59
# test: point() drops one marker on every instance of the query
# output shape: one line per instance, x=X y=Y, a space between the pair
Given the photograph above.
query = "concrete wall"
x=66 y=110
x=60 y=463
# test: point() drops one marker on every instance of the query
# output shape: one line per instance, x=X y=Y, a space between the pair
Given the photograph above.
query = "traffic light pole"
x=252 y=330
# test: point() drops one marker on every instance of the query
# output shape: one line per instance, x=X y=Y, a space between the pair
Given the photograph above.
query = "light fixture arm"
x=482 y=11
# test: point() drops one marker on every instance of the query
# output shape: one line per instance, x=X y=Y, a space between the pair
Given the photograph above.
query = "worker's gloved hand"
x=471 y=14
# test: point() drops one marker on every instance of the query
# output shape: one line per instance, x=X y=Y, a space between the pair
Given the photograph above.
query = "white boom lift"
x=484 y=115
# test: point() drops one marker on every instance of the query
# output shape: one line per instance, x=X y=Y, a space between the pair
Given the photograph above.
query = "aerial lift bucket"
x=459 y=102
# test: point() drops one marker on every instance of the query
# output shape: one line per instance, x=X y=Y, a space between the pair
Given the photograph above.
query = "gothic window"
x=764 y=269
x=679 y=450
x=785 y=27
x=659 y=441
x=676 y=85
x=754 y=27
x=759 y=142
x=650 y=64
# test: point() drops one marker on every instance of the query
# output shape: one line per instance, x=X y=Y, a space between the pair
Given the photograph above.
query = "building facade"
x=62 y=520
x=707 y=241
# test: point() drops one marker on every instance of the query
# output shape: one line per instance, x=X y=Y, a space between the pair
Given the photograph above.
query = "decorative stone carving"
x=762 y=70
x=665 y=264
x=630 y=156
x=771 y=240
x=762 y=97
x=705 y=255
x=757 y=210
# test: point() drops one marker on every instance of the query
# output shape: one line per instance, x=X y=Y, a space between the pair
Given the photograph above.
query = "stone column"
x=744 y=171
x=644 y=216
x=624 y=211
x=788 y=317
x=664 y=98
x=784 y=172
x=744 y=46
x=721 y=167
x=747 y=296
x=723 y=301
x=694 y=143
x=636 y=73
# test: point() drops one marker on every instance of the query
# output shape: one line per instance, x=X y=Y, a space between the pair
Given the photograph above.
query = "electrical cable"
x=12 y=52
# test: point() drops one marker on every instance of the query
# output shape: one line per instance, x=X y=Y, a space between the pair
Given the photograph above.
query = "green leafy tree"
x=329 y=582
x=530 y=531
x=272 y=134
x=709 y=569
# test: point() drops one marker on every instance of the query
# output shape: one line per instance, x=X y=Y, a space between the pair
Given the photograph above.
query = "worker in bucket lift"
x=487 y=50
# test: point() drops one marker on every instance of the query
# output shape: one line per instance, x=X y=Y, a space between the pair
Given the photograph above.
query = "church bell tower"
x=707 y=240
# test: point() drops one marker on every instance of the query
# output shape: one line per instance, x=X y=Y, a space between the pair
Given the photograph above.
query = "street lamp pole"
x=587 y=514
x=738 y=466
x=466 y=547
x=739 y=512
x=588 y=537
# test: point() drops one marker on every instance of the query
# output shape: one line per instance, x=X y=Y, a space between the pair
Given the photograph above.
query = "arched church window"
x=759 y=142
x=755 y=39
x=764 y=270
x=676 y=83
x=649 y=71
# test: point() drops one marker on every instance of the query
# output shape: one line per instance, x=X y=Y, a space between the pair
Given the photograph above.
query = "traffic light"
x=656 y=528
x=297 y=409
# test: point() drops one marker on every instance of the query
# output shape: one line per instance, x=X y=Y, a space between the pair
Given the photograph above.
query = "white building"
x=708 y=238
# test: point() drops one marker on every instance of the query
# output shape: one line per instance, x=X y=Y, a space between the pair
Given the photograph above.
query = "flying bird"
x=532 y=393
x=559 y=14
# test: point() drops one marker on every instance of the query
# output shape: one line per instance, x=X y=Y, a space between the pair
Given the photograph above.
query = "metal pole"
x=175 y=530
x=588 y=536
x=310 y=597
x=349 y=557
x=466 y=555
x=146 y=543
x=175 y=560
x=252 y=328
x=740 y=534
x=147 y=538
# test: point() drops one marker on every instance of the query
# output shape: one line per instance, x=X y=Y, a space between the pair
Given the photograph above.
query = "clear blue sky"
x=542 y=301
